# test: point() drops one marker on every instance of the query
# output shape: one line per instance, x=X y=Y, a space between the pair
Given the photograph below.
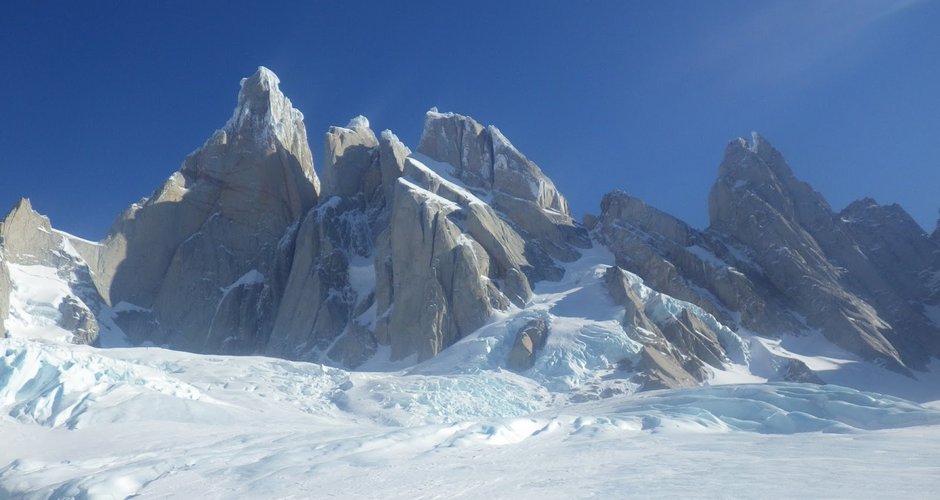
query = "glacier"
x=80 y=422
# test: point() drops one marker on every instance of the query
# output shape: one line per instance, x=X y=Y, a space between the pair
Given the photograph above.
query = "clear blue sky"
x=100 y=101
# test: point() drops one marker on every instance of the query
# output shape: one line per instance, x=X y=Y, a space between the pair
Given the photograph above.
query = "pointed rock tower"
x=195 y=264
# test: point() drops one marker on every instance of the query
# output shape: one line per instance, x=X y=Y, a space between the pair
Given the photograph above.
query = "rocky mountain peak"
x=214 y=229
x=756 y=174
x=483 y=157
x=753 y=164
x=862 y=204
x=259 y=95
x=23 y=203
x=23 y=211
x=823 y=261
x=266 y=118
x=23 y=230
x=349 y=152
x=618 y=205
x=266 y=130
x=359 y=122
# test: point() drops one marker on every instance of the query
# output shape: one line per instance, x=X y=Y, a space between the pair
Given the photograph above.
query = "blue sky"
x=99 y=102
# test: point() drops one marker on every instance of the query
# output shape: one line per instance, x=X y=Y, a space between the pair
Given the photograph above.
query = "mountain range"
x=388 y=256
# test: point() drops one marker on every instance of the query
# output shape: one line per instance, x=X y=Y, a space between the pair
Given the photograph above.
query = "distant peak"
x=867 y=201
x=869 y=204
x=743 y=153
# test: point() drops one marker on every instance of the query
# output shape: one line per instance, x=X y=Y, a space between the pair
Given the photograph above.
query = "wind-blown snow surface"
x=81 y=422
x=87 y=423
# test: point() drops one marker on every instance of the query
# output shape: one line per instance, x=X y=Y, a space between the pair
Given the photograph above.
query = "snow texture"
x=91 y=423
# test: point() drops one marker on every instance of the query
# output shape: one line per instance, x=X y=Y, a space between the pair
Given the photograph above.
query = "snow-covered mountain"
x=436 y=302
x=399 y=255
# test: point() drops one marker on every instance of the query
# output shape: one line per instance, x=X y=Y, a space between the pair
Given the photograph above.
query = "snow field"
x=93 y=423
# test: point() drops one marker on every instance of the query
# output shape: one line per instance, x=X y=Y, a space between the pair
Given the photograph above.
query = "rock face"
x=842 y=285
x=777 y=254
x=894 y=244
x=329 y=284
x=705 y=268
x=27 y=240
x=483 y=158
x=196 y=263
x=404 y=252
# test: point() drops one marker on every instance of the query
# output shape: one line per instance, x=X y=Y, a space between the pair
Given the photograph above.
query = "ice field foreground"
x=79 y=422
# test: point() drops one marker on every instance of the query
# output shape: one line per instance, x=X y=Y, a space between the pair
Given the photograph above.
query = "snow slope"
x=79 y=422
x=37 y=292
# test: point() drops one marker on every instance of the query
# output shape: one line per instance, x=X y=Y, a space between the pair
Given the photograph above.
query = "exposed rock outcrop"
x=658 y=370
x=240 y=252
x=28 y=237
x=682 y=344
x=78 y=318
x=529 y=341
